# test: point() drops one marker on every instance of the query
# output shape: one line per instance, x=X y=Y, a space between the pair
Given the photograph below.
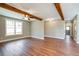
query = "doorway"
x=68 y=30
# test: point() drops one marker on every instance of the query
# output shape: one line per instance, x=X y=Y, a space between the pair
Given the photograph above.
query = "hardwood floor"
x=36 y=47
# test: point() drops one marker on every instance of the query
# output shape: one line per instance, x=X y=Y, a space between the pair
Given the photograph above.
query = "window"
x=18 y=27
x=13 y=27
x=9 y=27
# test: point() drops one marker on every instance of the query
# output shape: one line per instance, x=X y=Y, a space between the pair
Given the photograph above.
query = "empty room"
x=39 y=29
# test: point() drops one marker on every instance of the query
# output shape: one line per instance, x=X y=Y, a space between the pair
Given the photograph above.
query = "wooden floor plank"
x=35 y=47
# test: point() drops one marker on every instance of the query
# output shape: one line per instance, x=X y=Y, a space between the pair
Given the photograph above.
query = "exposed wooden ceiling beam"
x=6 y=6
x=58 y=8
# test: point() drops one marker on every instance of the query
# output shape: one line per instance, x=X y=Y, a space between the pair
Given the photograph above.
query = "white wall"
x=74 y=29
x=26 y=29
x=2 y=27
x=16 y=16
x=77 y=40
x=55 y=29
x=37 y=29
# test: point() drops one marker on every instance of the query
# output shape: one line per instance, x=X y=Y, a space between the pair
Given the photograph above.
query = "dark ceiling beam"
x=58 y=8
x=6 y=6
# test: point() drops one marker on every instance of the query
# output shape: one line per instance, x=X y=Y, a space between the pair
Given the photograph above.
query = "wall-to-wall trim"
x=2 y=40
x=53 y=37
x=38 y=37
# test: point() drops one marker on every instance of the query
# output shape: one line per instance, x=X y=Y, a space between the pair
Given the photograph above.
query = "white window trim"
x=14 y=28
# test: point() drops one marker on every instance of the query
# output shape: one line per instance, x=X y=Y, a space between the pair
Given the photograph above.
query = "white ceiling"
x=42 y=10
x=48 y=10
x=70 y=10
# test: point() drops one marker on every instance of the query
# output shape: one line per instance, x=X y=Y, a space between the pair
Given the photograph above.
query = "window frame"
x=14 y=27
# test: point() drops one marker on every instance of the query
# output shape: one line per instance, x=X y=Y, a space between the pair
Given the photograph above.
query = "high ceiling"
x=42 y=10
x=70 y=10
x=48 y=10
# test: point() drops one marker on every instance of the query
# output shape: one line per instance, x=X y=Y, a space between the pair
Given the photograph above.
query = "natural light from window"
x=13 y=27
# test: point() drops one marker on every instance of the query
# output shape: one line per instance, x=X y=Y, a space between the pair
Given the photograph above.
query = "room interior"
x=39 y=29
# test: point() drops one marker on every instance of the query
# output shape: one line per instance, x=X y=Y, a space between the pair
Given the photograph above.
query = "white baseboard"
x=13 y=39
x=3 y=40
x=38 y=37
x=55 y=37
